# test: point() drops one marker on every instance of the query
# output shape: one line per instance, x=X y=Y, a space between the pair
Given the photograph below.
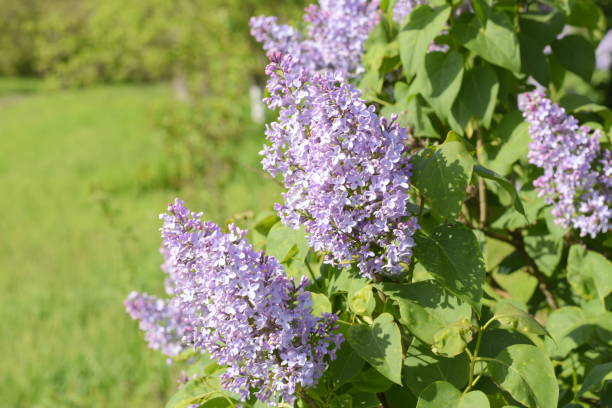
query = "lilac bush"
x=577 y=177
x=242 y=309
x=335 y=35
x=346 y=170
x=350 y=175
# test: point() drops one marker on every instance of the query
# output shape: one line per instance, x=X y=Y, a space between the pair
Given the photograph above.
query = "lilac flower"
x=163 y=323
x=336 y=34
x=346 y=170
x=604 y=52
x=244 y=310
x=577 y=172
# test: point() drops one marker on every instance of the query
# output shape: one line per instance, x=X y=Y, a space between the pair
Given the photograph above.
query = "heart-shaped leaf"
x=527 y=374
x=442 y=394
x=380 y=345
x=451 y=253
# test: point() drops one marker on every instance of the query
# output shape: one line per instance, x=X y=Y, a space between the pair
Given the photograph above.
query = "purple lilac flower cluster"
x=336 y=35
x=164 y=324
x=346 y=171
x=577 y=177
x=244 y=310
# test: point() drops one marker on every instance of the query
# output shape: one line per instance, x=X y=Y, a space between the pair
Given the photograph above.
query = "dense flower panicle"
x=163 y=323
x=346 y=170
x=280 y=38
x=244 y=310
x=577 y=177
x=336 y=34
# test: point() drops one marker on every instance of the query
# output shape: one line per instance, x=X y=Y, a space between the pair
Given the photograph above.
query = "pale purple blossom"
x=603 y=53
x=162 y=321
x=336 y=31
x=244 y=310
x=577 y=177
x=347 y=171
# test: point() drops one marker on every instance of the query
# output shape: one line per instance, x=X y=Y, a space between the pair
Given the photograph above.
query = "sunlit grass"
x=78 y=232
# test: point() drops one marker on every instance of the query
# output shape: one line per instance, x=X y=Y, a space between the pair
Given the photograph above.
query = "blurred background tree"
x=202 y=46
x=108 y=110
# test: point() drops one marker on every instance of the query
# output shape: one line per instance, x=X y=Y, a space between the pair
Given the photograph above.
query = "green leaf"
x=453 y=339
x=422 y=367
x=345 y=280
x=512 y=219
x=527 y=374
x=545 y=248
x=496 y=42
x=400 y=397
x=364 y=399
x=495 y=340
x=533 y=60
x=374 y=55
x=380 y=345
x=511 y=316
x=265 y=222
x=595 y=379
x=585 y=13
x=320 y=304
x=423 y=25
x=442 y=176
x=426 y=308
x=576 y=54
x=589 y=273
x=371 y=84
x=541 y=29
x=442 y=394
x=536 y=32
x=513 y=133
x=520 y=284
x=571 y=327
x=568 y=329
x=502 y=181
x=479 y=93
x=346 y=365
x=198 y=391
x=416 y=116
x=342 y=401
x=443 y=76
x=371 y=380
x=452 y=255
x=285 y=243
x=362 y=301
x=219 y=402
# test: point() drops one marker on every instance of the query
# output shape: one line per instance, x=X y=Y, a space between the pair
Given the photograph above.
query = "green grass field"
x=78 y=233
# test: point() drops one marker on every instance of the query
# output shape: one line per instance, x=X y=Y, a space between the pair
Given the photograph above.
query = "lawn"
x=79 y=232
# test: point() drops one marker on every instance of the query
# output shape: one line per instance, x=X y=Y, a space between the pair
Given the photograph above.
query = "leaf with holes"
x=380 y=345
x=442 y=176
x=527 y=374
x=452 y=255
